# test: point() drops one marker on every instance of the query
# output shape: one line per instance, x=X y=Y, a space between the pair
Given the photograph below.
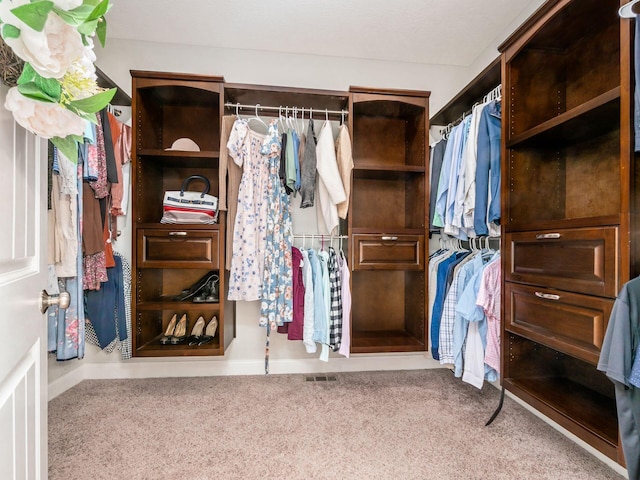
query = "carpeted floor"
x=419 y=424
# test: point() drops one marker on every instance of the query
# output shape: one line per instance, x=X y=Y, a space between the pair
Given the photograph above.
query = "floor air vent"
x=320 y=378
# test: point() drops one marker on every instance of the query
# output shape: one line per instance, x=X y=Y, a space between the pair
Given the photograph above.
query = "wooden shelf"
x=155 y=349
x=382 y=231
x=590 y=119
x=152 y=152
x=384 y=341
x=610 y=220
x=388 y=168
x=482 y=84
x=184 y=307
x=318 y=100
x=390 y=172
x=584 y=412
x=183 y=226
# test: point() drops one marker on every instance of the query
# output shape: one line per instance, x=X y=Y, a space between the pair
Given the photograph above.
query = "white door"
x=23 y=274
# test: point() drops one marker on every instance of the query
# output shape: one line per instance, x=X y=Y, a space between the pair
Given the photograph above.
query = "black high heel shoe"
x=197 y=288
x=210 y=292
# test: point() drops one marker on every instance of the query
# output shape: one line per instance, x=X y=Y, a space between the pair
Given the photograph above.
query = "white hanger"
x=630 y=9
x=280 y=118
x=257 y=118
x=289 y=120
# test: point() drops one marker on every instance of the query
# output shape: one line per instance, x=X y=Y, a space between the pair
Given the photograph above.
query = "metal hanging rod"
x=257 y=107
x=494 y=94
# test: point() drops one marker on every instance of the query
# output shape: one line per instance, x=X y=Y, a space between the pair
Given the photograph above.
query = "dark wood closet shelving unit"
x=386 y=222
x=166 y=107
x=568 y=209
x=388 y=217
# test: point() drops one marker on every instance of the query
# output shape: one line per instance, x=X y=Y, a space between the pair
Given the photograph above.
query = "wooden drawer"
x=388 y=252
x=571 y=323
x=579 y=260
x=178 y=248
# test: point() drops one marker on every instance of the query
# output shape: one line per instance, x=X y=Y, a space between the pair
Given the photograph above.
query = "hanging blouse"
x=345 y=166
x=330 y=189
x=308 y=169
x=345 y=343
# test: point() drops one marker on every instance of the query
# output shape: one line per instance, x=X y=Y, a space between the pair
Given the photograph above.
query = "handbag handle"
x=185 y=184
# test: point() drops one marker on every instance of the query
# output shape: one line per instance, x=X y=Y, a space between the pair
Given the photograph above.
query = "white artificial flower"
x=44 y=119
x=50 y=52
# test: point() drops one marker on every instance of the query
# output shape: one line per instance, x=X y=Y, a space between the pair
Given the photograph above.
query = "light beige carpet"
x=404 y=425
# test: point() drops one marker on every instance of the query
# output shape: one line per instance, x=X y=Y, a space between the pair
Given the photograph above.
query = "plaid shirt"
x=335 y=288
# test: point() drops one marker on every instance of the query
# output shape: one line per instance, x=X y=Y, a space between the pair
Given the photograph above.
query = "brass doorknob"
x=46 y=300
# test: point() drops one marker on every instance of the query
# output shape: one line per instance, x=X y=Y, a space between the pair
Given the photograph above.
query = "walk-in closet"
x=254 y=240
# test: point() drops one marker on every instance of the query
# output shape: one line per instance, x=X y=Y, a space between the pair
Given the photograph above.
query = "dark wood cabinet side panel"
x=416 y=305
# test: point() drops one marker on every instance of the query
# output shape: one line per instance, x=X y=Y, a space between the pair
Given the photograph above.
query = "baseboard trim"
x=180 y=367
x=65 y=382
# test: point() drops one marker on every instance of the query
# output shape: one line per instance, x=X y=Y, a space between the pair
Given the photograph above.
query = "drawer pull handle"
x=547 y=296
x=389 y=239
x=546 y=236
x=177 y=234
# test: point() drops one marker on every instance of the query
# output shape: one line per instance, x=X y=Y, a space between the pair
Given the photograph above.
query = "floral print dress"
x=277 y=284
x=250 y=150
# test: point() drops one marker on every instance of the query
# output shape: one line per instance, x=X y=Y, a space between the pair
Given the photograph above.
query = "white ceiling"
x=448 y=32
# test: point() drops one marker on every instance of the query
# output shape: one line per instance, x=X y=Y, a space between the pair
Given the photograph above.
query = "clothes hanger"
x=289 y=120
x=280 y=118
x=258 y=119
x=630 y=9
